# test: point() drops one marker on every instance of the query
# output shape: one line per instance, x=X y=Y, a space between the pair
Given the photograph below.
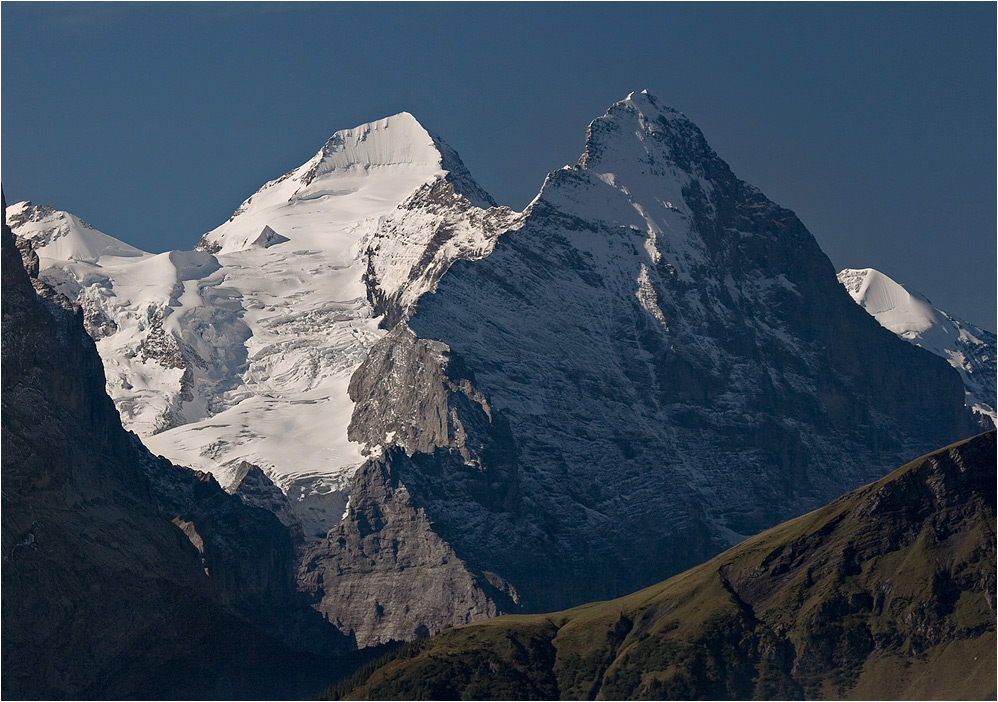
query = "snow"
x=906 y=314
x=636 y=364
x=910 y=315
x=327 y=202
x=65 y=237
x=599 y=330
x=243 y=350
x=649 y=298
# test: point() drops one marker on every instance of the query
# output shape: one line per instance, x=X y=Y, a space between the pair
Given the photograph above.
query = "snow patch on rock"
x=910 y=315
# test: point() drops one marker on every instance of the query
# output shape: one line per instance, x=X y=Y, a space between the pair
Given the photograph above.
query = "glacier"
x=242 y=349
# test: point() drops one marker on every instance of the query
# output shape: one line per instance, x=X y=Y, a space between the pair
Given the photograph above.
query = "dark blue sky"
x=874 y=122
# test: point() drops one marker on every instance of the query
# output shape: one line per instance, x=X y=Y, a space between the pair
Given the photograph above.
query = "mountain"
x=471 y=411
x=656 y=363
x=125 y=576
x=242 y=350
x=910 y=315
x=886 y=593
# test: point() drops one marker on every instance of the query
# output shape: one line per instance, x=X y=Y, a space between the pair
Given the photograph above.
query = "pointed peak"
x=368 y=169
x=642 y=129
x=62 y=235
x=641 y=95
x=397 y=141
x=649 y=105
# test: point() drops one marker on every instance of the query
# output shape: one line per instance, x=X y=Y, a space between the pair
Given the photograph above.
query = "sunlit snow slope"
x=243 y=348
x=968 y=348
x=127 y=296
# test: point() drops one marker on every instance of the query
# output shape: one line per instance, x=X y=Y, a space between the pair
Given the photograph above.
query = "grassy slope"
x=888 y=592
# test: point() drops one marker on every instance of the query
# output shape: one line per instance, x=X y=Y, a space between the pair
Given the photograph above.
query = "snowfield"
x=243 y=349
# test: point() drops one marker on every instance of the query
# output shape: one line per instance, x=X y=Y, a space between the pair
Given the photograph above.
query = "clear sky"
x=874 y=122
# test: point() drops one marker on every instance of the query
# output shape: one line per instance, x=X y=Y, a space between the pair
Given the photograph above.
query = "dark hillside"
x=886 y=593
x=125 y=576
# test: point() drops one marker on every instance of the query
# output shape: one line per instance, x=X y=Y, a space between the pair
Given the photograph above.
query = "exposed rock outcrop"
x=256 y=489
x=413 y=247
x=444 y=440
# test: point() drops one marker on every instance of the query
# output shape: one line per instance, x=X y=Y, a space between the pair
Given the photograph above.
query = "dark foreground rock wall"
x=125 y=576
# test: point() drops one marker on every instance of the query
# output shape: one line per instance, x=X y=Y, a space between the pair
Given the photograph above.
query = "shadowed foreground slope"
x=887 y=592
x=124 y=576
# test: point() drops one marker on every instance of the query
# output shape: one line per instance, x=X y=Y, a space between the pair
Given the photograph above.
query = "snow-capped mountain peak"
x=650 y=105
x=63 y=236
x=645 y=168
x=905 y=312
x=242 y=350
x=910 y=315
x=359 y=173
x=656 y=359
x=396 y=140
x=641 y=134
x=649 y=363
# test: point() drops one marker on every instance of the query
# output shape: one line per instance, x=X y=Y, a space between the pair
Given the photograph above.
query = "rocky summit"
x=655 y=363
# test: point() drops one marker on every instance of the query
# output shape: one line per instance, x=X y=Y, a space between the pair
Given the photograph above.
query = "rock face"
x=256 y=489
x=910 y=315
x=387 y=571
x=421 y=239
x=653 y=363
x=887 y=592
x=125 y=576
